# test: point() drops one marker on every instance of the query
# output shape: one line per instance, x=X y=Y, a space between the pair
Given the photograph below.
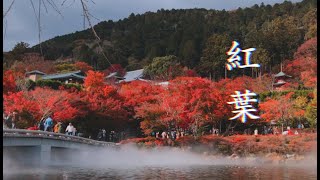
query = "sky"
x=20 y=23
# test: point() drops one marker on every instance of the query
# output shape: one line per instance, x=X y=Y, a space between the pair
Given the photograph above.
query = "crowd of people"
x=113 y=136
x=45 y=124
x=173 y=134
x=9 y=120
x=276 y=131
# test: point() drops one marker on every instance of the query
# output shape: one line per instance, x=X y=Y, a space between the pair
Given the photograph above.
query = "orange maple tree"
x=94 y=81
x=82 y=66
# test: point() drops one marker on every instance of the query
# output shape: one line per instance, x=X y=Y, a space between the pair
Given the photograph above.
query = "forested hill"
x=200 y=38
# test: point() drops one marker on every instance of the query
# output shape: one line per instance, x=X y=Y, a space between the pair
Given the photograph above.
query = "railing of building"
x=52 y=135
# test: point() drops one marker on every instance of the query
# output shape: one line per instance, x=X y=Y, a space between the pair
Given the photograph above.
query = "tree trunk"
x=220 y=126
x=228 y=128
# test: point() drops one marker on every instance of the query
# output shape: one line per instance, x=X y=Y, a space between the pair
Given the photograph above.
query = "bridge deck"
x=21 y=133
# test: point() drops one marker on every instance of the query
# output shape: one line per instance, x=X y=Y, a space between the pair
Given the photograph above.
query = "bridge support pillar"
x=45 y=154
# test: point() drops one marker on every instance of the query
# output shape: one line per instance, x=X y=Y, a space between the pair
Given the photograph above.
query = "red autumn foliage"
x=115 y=68
x=82 y=66
x=159 y=142
x=190 y=73
x=137 y=140
x=137 y=93
x=309 y=78
x=262 y=84
x=33 y=61
x=9 y=82
x=185 y=141
x=196 y=98
x=304 y=67
x=307 y=49
x=54 y=101
x=241 y=145
x=283 y=111
x=186 y=101
x=41 y=102
x=239 y=138
x=19 y=102
x=105 y=102
x=93 y=81
x=227 y=87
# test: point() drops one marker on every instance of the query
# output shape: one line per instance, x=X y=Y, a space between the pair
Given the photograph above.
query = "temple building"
x=34 y=75
x=68 y=77
x=280 y=79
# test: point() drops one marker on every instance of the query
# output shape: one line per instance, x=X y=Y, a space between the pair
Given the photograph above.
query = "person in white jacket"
x=69 y=129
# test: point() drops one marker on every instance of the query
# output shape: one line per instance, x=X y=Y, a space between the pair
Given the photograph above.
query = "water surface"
x=163 y=172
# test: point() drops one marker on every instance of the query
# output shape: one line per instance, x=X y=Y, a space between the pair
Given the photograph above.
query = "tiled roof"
x=279 y=83
x=73 y=74
x=281 y=74
x=35 y=72
x=133 y=75
x=115 y=75
x=112 y=74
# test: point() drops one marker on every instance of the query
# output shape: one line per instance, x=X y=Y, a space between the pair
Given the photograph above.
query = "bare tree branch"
x=54 y=6
x=44 y=4
x=84 y=22
x=34 y=10
x=93 y=16
x=39 y=27
x=4 y=14
x=70 y=4
x=63 y=2
x=5 y=28
x=38 y=21
x=86 y=14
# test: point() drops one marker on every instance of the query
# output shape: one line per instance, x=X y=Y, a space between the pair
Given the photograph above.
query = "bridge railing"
x=52 y=135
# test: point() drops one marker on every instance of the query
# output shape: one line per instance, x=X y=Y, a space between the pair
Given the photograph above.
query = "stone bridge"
x=46 y=146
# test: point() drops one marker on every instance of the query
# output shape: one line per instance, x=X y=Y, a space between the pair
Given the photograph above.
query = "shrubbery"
x=49 y=83
x=56 y=84
x=241 y=145
x=297 y=93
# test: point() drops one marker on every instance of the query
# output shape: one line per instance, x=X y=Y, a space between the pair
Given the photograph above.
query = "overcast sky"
x=20 y=23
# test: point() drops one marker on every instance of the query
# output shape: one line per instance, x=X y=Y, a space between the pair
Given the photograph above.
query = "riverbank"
x=269 y=148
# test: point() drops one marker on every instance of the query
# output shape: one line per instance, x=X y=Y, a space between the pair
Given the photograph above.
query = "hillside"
x=198 y=37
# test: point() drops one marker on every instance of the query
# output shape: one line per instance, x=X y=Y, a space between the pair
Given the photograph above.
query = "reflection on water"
x=129 y=162
x=163 y=172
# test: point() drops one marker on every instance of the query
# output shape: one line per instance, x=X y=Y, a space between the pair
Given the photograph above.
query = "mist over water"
x=130 y=156
x=130 y=161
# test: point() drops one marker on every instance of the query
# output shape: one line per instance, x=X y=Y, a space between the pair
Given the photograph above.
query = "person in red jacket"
x=289 y=131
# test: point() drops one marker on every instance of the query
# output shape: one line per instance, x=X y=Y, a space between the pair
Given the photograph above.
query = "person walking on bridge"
x=48 y=124
x=60 y=127
x=57 y=127
x=104 y=135
x=69 y=129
